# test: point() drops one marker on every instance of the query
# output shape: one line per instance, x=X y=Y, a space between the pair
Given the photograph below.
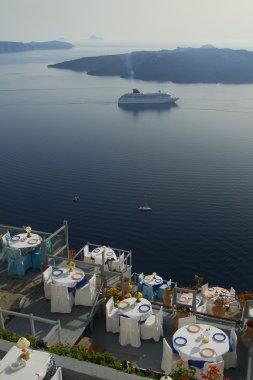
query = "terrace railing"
x=56 y=324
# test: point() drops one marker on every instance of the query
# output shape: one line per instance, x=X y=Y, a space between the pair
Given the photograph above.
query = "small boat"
x=144 y=208
x=76 y=198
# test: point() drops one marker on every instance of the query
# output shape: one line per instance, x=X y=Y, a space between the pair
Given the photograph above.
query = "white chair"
x=61 y=300
x=202 y=308
x=220 y=365
x=57 y=375
x=230 y=358
x=112 y=317
x=167 y=358
x=204 y=289
x=47 y=281
x=129 y=332
x=87 y=255
x=86 y=295
x=186 y=321
x=153 y=326
x=119 y=265
x=232 y=293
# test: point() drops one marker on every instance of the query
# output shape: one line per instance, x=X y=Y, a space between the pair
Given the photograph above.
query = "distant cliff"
x=182 y=65
x=12 y=47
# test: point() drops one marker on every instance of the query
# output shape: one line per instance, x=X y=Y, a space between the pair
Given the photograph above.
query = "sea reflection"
x=138 y=108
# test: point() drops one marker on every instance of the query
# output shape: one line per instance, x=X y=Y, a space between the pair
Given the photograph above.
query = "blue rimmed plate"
x=158 y=281
x=144 y=308
x=219 y=337
x=15 y=238
x=198 y=301
x=180 y=341
x=57 y=272
x=211 y=289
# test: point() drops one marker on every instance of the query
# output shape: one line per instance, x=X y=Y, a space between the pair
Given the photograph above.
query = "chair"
x=17 y=264
x=87 y=255
x=119 y=265
x=57 y=375
x=153 y=326
x=36 y=258
x=185 y=321
x=140 y=281
x=204 y=288
x=230 y=358
x=161 y=290
x=47 y=280
x=148 y=292
x=220 y=365
x=129 y=332
x=112 y=317
x=86 y=295
x=202 y=308
x=61 y=300
x=167 y=358
x=5 y=242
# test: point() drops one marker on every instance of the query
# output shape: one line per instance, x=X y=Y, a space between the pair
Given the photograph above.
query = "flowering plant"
x=112 y=292
x=71 y=265
x=220 y=301
x=181 y=373
x=246 y=295
x=214 y=373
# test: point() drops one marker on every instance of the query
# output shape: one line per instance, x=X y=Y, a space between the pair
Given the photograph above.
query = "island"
x=14 y=47
x=181 y=65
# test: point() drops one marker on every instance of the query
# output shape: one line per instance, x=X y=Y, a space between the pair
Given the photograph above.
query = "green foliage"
x=181 y=373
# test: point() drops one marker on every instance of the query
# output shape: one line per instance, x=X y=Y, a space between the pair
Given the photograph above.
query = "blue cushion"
x=197 y=363
x=36 y=258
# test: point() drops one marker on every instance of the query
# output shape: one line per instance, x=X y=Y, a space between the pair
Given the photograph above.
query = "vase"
x=218 y=310
x=127 y=286
x=167 y=297
x=177 y=316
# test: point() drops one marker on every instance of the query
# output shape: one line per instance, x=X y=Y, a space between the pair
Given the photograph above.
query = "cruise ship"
x=137 y=97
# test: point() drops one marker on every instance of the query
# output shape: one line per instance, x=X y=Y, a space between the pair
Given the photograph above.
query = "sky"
x=223 y=23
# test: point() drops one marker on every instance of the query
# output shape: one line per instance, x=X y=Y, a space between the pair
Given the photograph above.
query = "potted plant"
x=214 y=373
x=181 y=312
x=167 y=296
x=181 y=373
x=248 y=332
x=198 y=282
x=245 y=296
x=219 y=307
x=112 y=292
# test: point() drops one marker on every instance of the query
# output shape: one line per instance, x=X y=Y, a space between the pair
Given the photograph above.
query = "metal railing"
x=33 y=318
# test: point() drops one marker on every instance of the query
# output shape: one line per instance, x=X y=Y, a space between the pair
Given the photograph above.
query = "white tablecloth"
x=213 y=293
x=151 y=281
x=191 y=350
x=134 y=310
x=186 y=299
x=96 y=254
x=25 y=243
x=65 y=278
x=38 y=363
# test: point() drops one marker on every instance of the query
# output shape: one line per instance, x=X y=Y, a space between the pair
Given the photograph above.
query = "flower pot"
x=248 y=333
x=175 y=320
x=218 y=310
x=167 y=297
x=127 y=286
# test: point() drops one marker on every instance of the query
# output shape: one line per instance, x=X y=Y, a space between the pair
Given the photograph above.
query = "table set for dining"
x=22 y=251
x=213 y=293
x=200 y=342
x=150 y=286
x=71 y=279
x=131 y=308
x=37 y=367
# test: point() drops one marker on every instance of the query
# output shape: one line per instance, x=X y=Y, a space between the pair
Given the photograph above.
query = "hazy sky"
x=166 y=22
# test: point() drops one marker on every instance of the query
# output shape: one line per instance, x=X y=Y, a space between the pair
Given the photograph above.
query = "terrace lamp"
x=23 y=344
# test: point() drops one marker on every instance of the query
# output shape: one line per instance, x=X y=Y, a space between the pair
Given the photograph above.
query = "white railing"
x=32 y=318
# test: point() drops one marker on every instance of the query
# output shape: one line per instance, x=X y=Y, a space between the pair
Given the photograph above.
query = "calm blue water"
x=62 y=133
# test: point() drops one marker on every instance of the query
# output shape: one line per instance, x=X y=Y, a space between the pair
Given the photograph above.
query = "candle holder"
x=23 y=344
x=28 y=230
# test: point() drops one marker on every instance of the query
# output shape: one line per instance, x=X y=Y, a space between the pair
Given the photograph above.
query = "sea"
x=62 y=134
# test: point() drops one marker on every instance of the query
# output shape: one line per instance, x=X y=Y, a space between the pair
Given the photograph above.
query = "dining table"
x=187 y=299
x=131 y=308
x=96 y=255
x=63 y=276
x=190 y=342
x=11 y=367
x=153 y=280
x=212 y=293
x=24 y=243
